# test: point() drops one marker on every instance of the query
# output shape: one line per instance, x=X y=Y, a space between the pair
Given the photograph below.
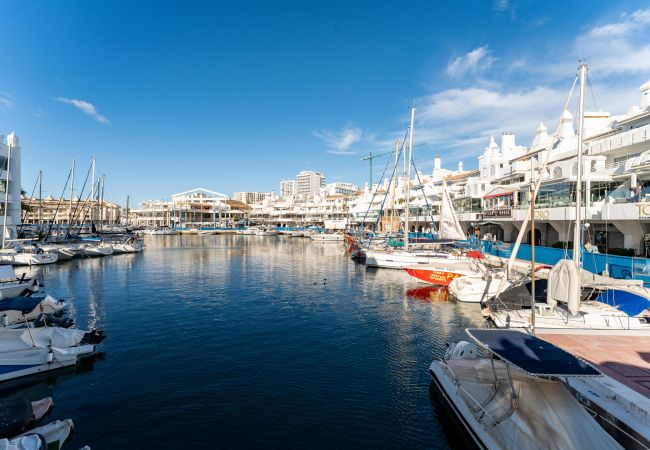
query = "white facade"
x=339 y=188
x=309 y=183
x=10 y=162
x=252 y=197
x=287 y=188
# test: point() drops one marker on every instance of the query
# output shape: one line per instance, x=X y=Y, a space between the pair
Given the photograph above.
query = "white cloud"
x=6 y=100
x=501 y=5
x=341 y=142
x=628 y=23
x=473 y=62
x=86 y=107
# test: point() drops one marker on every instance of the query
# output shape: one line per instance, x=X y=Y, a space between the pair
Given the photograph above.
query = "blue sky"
x=238 y=95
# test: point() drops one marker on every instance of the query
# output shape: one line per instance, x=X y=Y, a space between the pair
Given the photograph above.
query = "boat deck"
x=624 y=358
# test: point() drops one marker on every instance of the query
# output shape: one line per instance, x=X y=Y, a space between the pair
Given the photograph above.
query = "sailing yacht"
x=567 y=308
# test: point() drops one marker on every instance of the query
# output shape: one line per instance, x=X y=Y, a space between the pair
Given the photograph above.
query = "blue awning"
x=627 y=302
x=531 y=354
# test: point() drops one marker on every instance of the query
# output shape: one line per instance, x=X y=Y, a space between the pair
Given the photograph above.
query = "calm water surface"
x=248 y=341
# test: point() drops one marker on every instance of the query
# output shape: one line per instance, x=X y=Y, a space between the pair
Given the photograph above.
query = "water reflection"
x=204 y=330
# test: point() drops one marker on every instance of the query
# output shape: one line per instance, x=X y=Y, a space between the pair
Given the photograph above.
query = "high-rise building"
x=10 y=159
x=287 y=188
x=309 y=183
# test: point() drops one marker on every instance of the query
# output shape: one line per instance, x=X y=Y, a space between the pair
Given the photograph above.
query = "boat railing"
x=600 y=417
x=485 y=413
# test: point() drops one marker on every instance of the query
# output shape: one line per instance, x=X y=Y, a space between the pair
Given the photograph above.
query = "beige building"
x=57 y=211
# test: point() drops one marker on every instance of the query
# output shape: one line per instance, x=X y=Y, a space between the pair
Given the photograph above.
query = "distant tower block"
x=460 y=166
x=437 y=163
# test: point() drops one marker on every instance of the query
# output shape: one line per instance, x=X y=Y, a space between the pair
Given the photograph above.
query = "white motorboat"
x=92 y=250
x=401 y=259
x=266 y=232
x=507 y=391
x=54 y=434
x=21 y=257
x=327 y=237
x=29 y=351
x=11 y=286
x=128 y=244
x=478 y=288
x=63 y=251
x=20 y=310
x=297 y=233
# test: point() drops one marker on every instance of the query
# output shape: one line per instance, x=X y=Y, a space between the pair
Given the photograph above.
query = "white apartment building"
x=339 y=188
x=251 y=197
x=287 y=188
x=10 y=187
x=309 y=183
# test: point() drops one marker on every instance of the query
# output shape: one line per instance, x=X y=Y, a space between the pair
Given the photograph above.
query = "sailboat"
x=400 y=258
x=567 y=307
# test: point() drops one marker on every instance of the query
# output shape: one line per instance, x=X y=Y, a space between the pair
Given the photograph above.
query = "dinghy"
x=54 y=434
x=18 y=415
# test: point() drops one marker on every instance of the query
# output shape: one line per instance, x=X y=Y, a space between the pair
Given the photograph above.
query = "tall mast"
x=442 y=205
x=4 y=224
x=393 y=215
x=71 y=195
x=577 y=240
x=40 y=198
x=408 y=184
x=101 y=205
x=92 y=195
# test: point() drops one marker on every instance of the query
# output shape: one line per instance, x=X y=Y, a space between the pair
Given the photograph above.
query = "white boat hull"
x=402 y=260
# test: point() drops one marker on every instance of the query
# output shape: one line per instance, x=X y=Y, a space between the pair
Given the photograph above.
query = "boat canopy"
x=627 y=302
x=7 y=273
x=531 y=354
x=22 y=304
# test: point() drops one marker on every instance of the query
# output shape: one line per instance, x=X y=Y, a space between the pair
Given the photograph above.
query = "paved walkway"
x=624 y=358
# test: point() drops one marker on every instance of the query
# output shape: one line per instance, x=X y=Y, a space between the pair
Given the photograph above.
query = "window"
x=3 y=163
x=621 y=159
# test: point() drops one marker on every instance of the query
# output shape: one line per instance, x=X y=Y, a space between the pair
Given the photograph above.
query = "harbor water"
x=249 y=341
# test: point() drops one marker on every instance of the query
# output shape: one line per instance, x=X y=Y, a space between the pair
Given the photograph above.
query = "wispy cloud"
x=340 y=142
x=501 y=5
x=86 y=107
x=474 y=62
x=37 y=112
x=6 y=100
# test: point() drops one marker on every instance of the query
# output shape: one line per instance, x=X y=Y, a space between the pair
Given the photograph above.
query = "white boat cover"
x=31 y=442
x=27 y=338
x=449 y=226
x=547 y=415
x=563 y=285
x=55 y=433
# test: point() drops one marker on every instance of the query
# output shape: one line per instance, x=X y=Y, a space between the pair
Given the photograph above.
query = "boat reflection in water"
x=429 y=294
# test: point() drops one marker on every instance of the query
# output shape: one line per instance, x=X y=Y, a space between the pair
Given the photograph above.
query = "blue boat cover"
x=22 y=304
x=531 y=354
x=627 y=302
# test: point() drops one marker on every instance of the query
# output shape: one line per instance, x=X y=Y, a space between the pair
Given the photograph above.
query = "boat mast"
x=101 y=205
x=393 y=214
x=92 y=196
x=577 y=232
x=40 y=198
x=408 y=184
x=71 y=195
x=4 y=223
x=532 y=247
x=442 y=203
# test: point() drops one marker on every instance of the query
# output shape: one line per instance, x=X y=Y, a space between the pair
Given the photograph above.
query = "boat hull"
x=438 y=277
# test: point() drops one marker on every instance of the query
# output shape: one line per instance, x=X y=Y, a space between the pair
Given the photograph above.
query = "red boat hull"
x=434 y=276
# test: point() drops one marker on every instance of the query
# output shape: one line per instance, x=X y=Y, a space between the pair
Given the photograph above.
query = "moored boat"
x=506 y=390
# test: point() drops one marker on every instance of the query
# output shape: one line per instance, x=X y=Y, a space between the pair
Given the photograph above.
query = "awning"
x=531 y=354
x=488 y=223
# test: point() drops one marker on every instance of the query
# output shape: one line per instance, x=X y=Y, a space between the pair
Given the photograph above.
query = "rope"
x=49 y=230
